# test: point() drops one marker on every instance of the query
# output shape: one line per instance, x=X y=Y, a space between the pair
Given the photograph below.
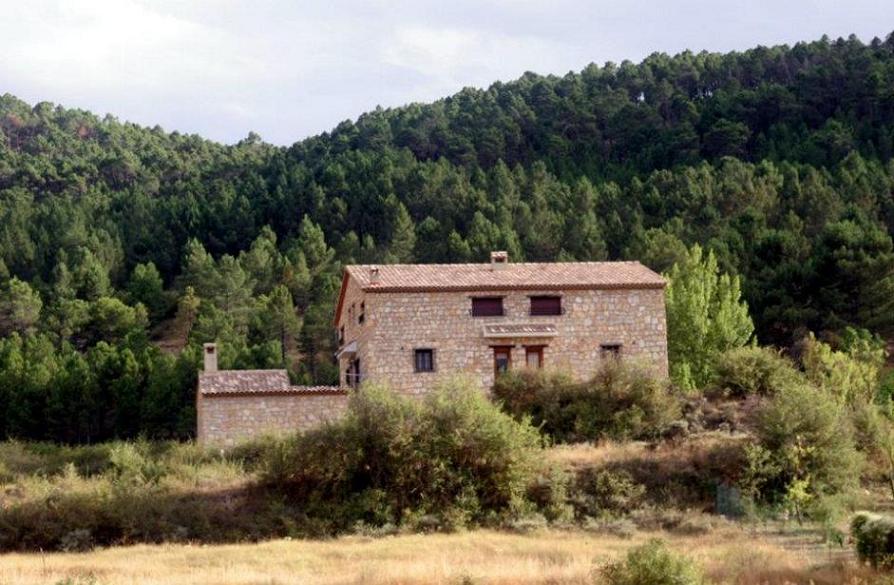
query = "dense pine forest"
x=123 y=248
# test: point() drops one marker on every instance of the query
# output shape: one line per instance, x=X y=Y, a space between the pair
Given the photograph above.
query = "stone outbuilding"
x=238 y=404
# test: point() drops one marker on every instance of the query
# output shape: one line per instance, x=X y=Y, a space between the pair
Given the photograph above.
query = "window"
x=352 y=375
x=534 y=356
x=610 y=351
x=424 y=360
x=502 y=359
x=544 y=305
x=487 y=307
x=361 y=316
x=341 y=335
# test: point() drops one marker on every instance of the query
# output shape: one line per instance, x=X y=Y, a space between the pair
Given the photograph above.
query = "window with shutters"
x=487 y=307
x=546 y=305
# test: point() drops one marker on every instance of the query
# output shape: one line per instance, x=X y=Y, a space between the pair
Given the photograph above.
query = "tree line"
x=119 y=243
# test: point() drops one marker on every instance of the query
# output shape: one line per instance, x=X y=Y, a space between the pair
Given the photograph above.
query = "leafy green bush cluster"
x=651 y=564
x=598 y=492
x=450 y=459
x=804 y=450
x=753 y=370
x=874 y=539
x=818 y=425
x=622 y=401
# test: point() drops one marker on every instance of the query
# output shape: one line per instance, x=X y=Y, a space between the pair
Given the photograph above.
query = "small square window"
x=424 y=360
x=610 y=351
x=361 y=316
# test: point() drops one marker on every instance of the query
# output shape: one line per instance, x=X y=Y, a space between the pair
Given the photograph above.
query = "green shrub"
x=622 y=401
x=805 y=443
x=549 y=494
x=852 y=375
x=598 y=492
x=453 y=456
x=874 y=539
x=747 y=371
x=651 y=564
x=133 y=464
x=885 y=394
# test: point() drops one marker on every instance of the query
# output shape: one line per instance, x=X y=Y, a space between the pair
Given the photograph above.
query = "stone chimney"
x=210 y=353
x=499 y=260
x=374 y=277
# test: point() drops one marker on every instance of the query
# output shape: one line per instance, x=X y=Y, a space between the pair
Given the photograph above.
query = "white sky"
x=288 y=69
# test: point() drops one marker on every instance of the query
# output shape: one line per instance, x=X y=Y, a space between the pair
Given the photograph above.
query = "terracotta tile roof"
x=511 y=276
x=236 y=382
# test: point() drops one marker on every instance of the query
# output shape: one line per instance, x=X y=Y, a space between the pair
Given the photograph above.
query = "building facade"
x=408 y=326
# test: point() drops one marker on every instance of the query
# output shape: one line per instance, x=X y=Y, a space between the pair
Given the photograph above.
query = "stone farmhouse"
x=411 y=325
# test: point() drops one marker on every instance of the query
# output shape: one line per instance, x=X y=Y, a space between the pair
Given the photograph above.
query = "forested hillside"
x=112 y=235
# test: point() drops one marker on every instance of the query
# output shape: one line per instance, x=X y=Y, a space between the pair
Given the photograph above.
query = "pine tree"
x=277 y=318
x=403 y=238
x=20 y=307
x=187 y=313
x=234 y=293
x=92 y=277
x=146 y=287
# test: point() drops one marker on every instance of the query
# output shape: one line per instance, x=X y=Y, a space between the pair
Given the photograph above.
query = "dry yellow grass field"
x=729 y=555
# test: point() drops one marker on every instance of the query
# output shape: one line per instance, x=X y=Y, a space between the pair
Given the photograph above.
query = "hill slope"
x=779 y=159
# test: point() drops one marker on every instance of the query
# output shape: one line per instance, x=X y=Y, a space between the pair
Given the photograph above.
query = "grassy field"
x=730 y=554
x=678 y=477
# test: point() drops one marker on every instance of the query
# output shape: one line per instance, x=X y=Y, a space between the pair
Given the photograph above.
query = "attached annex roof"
x=255 y=382
x=510 y=276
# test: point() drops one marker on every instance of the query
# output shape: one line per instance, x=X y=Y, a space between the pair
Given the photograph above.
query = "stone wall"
x=395 y=324
x=224 y=419
x=355 y=301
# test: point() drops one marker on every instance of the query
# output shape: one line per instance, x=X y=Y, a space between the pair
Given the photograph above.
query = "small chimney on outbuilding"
x=499 y=260
x=210 y=354
x=374 y=275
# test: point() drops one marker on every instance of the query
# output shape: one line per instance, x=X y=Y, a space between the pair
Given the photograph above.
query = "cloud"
x=448 y=59
x=291 y=68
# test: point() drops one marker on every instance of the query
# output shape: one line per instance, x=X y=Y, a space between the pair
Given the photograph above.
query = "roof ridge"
x=253 y=371
x=508 y=264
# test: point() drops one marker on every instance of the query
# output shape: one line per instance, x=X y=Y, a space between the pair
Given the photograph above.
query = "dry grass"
x=729 y=555
x=694 y=448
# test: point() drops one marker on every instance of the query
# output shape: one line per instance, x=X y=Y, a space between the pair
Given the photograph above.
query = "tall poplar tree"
x=705 y=316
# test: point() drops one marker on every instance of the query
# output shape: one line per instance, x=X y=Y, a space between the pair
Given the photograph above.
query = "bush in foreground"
x=804 y=451
x=874 y=539
x=622 y=401
x=651 y=564
x=449 y=460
